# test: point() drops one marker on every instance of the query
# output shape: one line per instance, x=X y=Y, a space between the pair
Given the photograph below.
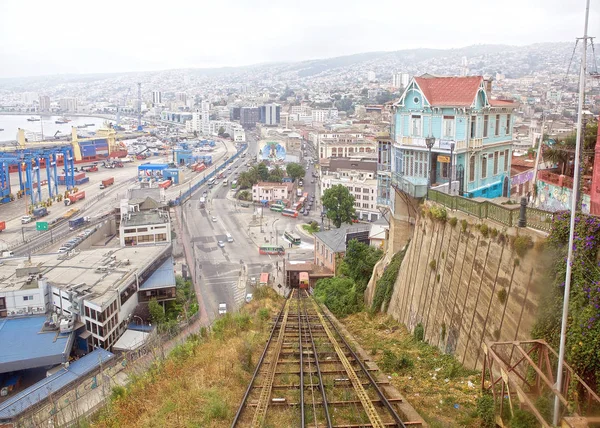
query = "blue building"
x=470 y=135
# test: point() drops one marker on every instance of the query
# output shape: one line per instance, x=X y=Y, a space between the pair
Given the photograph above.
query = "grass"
x=432 y=382
x=202 y=382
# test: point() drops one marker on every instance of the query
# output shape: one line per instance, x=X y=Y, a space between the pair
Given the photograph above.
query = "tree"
x=295 y=170
x=263 y=171
x=247 y=179
x=276 y=175
x=339 y=295
x=359 y=261
x=339 y=204
x=226 y=135
x=345 y=104
x=221 y=131
x=157 y=312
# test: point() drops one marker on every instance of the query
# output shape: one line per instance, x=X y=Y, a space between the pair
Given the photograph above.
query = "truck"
x=40 y=212
x=199 y=167
x=7 y=254
x=165 y=184
x=78 y=222
x=2 y=225
x=71 y=199
x=107 y=182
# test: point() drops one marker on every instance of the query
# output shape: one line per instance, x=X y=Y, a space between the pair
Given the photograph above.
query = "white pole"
x=563 y=327
x=537 y=157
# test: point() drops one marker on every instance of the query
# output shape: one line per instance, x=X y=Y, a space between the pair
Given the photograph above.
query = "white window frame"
x=448 y=127
x=413 y=122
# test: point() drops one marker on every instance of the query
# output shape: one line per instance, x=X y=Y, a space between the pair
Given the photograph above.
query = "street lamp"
x=429 y=142
x=450 y=169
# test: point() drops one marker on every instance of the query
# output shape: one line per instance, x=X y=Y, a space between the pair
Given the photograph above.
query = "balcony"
x=413 y=186
x=475 y=143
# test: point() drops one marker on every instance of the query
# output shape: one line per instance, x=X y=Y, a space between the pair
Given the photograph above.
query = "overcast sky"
x=41 y=37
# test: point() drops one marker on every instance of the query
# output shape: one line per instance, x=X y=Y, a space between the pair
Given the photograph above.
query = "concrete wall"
x=462 y=309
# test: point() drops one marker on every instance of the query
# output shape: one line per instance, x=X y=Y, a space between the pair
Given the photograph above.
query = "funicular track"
x=309 y=376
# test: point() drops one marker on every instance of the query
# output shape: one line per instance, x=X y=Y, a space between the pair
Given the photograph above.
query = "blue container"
x=82 y=181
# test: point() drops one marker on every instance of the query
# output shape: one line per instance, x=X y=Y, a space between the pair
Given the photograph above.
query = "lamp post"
x=429 y=142
x=450 y=169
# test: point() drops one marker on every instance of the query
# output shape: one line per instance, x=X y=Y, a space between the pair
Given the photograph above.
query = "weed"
x=502 y=295
x=483 y=228
x=263 y=314
x=394 y=363
x=117 y=392
x=433 y=265
x=419 y=332
x=494 y=232
x=523 y=419
x=517 y=262
x=453 y=221
x=216 y=407
x=437 y=278
x=522 y=244
x=438 y=213
x=485 y=411
x=463 y=224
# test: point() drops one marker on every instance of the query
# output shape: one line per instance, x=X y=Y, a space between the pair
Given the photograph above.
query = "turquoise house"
x=469 y=132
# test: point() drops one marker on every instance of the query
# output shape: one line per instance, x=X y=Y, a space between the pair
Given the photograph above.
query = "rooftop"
x=450 y=91
x=364 y=164
x=101 y=270
x=142 y=218
x=25 y=346
x=162 y=277
x=266 y=184
x=335 y=239
x=50 y=385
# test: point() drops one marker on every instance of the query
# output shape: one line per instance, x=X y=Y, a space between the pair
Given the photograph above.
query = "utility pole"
x=538 y=155
x=576 y=178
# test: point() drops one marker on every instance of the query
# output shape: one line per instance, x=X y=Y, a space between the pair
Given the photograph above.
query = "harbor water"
x=47 y=126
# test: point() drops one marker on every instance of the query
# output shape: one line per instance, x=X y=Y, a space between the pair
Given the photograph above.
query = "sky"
x=41 y=37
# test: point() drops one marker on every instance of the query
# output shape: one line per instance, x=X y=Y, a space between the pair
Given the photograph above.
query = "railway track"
x=309 y=376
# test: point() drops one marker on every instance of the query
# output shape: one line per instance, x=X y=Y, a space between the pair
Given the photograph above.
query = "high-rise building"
x=205 y=111
x=234 y=113
x=400 y=80
x=371 y=76
x=270 y=114
x=181 y=97
x=156 y=97
x=249 y=116
x=44 y=103
x=29 y=98
x=68 y=104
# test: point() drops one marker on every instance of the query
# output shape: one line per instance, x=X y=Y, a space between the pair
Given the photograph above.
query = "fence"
x=184 y=195
x=506 y=215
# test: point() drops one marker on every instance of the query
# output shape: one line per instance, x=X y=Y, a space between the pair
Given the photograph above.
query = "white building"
x=371 y=76
x=325 y=115
x=272 y=192
x=28 y=98
x=271 y=114
x=143 y=226
x=205 y=114
x=239 y=135
x=30 y=297
x=156 y=97
x=400 y=80
x=68 y=104
x=44 y=103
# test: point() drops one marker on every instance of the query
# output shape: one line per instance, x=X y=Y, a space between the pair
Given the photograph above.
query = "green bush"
x=485 y=411
x=339 y=295
x=523 y=419
x=522 y=244
x=463 y=224
x=453 y=221
x=216 y=407
x=118 y=392
x=483 y=228
x=419 y=333
x=263 y=314
x=385 y=285
x=494 y=232
x=502 y=295
x=433 y=265
x=393 y=363
x=438 y=213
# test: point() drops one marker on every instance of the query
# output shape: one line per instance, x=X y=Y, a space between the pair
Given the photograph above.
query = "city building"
x=205 y=116
x=144 y=220
x=181 y=97
x=249 y=116
x=371 y=76
x=330 y=245
x=28 y=98
x=176 y=116
x=239 y=135
x=470 y=137
x=156 y=97
x=384 y=170
x=270 y=114
x=234 y=113
x=324 y=115
x=345 y=145
x=271 y=192
x=44 y=103
x=359 y=176
x=68 y=105
x=400 y=80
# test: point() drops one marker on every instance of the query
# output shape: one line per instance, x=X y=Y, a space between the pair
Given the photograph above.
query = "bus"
x=292 y=237
x=304 y=281
x=277 y=207
x=211 y=181
x=234 y=184
x=271 y=249
x=225 y=182
x=289 y=213
x=202 y=202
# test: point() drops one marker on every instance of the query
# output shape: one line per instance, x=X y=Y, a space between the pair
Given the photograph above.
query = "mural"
x=272 y=151
x=555 y=198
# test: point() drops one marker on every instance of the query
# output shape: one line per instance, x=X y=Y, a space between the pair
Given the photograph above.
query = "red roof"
x=450 y=91
x=501 y=103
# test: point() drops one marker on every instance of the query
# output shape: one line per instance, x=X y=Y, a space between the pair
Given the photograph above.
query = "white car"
x=248 y=297
x=214 y=219
x=26 y=219
x=221 y=244
x=222 y=308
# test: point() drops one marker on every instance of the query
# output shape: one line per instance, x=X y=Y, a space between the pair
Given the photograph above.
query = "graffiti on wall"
x=522 y=178
x=554 y=198
x=272 y=151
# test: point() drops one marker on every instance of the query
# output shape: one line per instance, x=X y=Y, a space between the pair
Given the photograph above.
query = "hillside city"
x=366 y=240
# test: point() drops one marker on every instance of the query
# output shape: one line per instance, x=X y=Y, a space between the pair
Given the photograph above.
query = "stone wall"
x=451 y=280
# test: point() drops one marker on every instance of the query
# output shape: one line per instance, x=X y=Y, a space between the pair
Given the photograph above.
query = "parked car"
x=248 y=297
x=222 y=308
x=244 y=205
x=63 y=250
x=214 y=219
x=221 y=244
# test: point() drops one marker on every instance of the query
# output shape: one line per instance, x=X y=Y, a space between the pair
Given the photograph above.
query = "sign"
x=41 y=225
x=443 y=159
x=446 y=144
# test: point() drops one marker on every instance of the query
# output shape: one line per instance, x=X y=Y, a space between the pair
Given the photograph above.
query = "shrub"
x=437 y=278
x=395 y=363
x=117 y=392
x=502 y=295
x=438 y=213
x=523 y=419
x=263 y=314
x=433 y=265
x=385 y=285
x=496 y=334
x=463 y=224
x=517 y=262
x=494 y=232
x=339 y=295
x=216 y=406
x=522 y=244
x=419 y=333
x=453 y=221
x=483 y=228
x=540 y=246
x=485 y=411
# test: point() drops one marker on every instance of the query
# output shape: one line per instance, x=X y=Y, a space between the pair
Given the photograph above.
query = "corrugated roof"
x=131 y=340
x=50 y=385
x=23 y=345
x=335 y=239
x=162 y=277
x=450 y=91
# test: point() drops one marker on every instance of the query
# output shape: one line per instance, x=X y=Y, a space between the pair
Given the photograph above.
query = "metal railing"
x=506 y=215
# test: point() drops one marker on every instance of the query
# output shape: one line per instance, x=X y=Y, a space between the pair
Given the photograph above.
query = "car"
x=88 y=231
x=62 y=250
x=248 y=297
x=204 y=194
x=301 y=211
x=312 y=181
x=306 y=212
x=214 y=219
x=221 y=244
x=222 y=308
x=26 y=219
x=244 y=205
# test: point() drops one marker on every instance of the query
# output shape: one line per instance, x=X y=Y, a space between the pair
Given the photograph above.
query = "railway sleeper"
x=329 y=403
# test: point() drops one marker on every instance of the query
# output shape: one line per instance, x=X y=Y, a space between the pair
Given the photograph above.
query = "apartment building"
x=330 y=245
x=270 y=192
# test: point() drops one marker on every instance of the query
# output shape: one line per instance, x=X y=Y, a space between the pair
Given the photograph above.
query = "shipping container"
x=2 y=225
x=82 y=181
x=40 y=212
x=107 y=182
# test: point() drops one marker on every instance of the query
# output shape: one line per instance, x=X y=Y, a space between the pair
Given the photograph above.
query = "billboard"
x=271 y=151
